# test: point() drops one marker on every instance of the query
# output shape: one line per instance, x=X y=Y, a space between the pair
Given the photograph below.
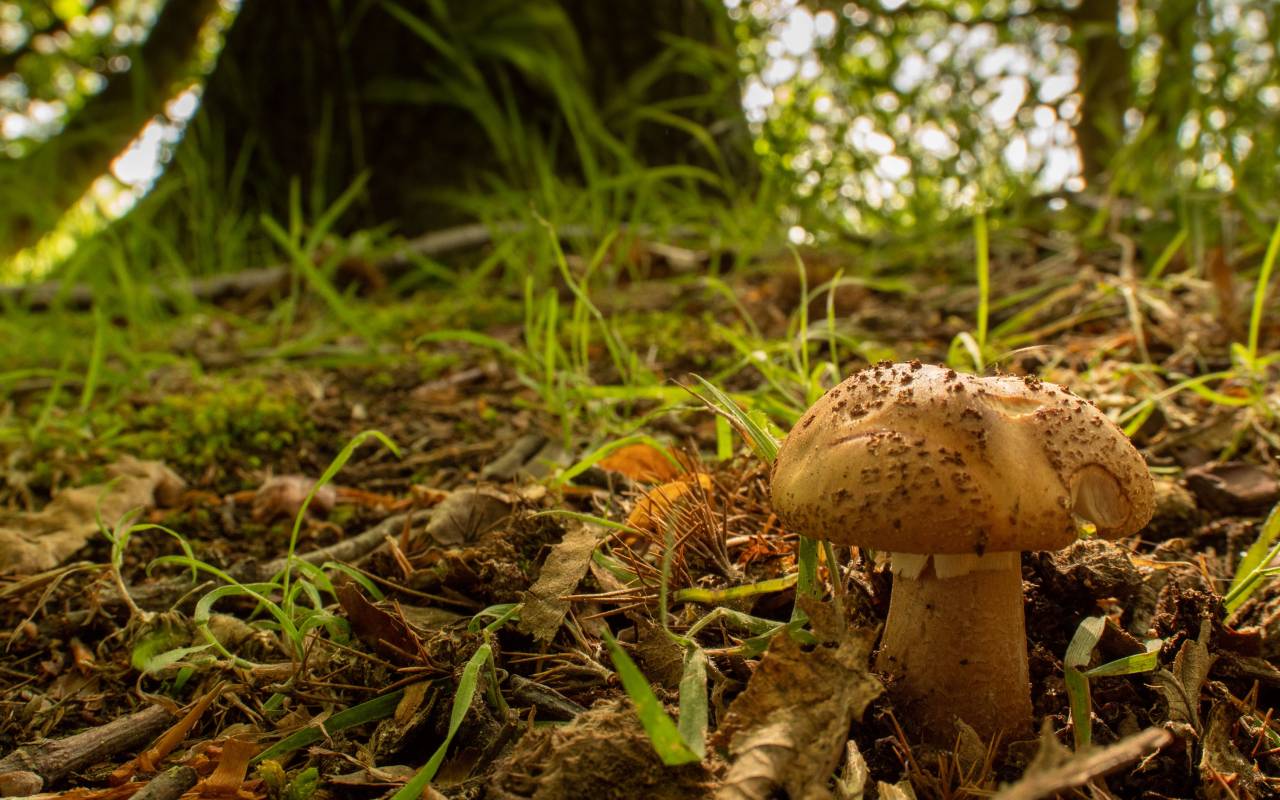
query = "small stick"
x=55 y=759
x=1083 y=767
x=168 y=785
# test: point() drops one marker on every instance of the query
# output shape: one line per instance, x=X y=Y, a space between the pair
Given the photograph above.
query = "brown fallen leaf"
x=1225 y=772
x=895 y=791
x=388 y=634
x=20 y=783
x=1233 y=487
x=467 y=514
x=641 y=462
x=34 y=541
x=228 y=777
x=1181 y=685
x=565 y=565
x=149 y=760
x=652 y=511
x=602 y=753
x=283 y=496
x=788 y=729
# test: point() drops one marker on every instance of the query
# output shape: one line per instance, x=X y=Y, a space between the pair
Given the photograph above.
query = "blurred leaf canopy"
x=865 y=117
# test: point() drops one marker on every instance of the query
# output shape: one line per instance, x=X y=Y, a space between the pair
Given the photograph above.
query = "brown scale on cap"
x=1018 y=459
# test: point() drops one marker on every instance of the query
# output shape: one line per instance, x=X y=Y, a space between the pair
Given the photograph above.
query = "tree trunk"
x=1105 y=84
x=324 y=92
x=60 y=171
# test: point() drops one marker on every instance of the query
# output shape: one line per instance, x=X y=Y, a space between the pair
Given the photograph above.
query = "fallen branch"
x=221 y=288
x=168 y=785
x=164 y=593
x=54 y=759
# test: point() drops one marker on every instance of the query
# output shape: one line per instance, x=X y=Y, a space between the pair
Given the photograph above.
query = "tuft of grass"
x=1256 y=564
x=675 y=743
x=294 y=606
x=1077 y=673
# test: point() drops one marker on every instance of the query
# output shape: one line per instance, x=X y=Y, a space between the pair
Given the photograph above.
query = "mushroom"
x=954 y=475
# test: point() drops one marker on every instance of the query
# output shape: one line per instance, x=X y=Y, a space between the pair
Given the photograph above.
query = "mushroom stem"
x=957 y=648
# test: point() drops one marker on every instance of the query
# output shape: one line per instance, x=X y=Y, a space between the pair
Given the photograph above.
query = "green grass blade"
x=94 y=372
x=1129 y=665
x=1250 y=572
x=1260 y=293
x=302 y=261
x=368 y=711
x=663 y=734
x=762 y=443
x=498 y=346
x=1166 y=255
x=692 y=723
x=461 y=702
x=334 y=467
x=1079 y=651
x=980 y=243
x=710 y=597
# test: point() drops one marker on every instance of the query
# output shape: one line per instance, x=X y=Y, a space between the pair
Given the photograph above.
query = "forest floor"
x=560 y=567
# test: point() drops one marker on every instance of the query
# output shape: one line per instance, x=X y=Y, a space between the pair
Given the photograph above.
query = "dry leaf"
x=149 y=760
x=388 y=634
x=1233 y=487
x=283 y=495
x=233 y=764
x=788 y=729
x=852 y=783
x=1181 y=685
x=1056 y=769
x=20 y=783
x=565 y=565
x=896 y=791
x=603 y=753
x=467 y=514
x=654 y=508
x=32 y=542
x=641 y=462
x=1223 y=765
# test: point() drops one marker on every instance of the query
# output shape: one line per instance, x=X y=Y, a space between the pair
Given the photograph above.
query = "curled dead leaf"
x=641 y=462
x=283 y=496
x=659 y=504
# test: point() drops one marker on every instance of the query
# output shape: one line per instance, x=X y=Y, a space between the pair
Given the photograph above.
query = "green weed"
x=1077 y=673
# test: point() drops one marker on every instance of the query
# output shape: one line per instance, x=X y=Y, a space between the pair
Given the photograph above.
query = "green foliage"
x=462 y=698
x=1077 y=673
x=1256 y=564
x=668 y=738
x=898 y=116
x=59 y=55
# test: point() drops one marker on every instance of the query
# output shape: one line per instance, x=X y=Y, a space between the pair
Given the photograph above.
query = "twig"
x=168 y=785
x=55 y=759
x=220 y=288
x=1083 y=767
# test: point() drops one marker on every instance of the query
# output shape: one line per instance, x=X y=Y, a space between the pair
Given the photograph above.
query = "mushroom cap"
x=921 y=459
